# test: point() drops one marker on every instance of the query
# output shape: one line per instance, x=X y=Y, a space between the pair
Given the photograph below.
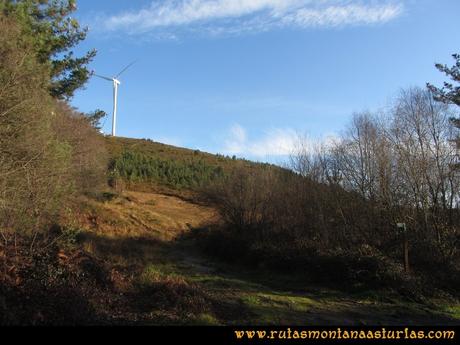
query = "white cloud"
x=236 y=140
x=351 y=14
x=169 y=13
x=236 y=16
x=275 y=142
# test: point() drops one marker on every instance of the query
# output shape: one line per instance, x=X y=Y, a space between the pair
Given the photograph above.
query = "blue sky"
x=244 y=76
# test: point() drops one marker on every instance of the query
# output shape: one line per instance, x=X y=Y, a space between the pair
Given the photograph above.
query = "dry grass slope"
x=138 y=214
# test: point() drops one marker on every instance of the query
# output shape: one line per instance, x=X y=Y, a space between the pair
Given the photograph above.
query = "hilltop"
x=117 y=145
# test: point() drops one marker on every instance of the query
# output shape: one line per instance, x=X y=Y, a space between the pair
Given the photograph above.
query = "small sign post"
x=402 y=228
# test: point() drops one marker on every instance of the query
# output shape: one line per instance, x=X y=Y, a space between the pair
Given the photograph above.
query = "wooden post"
x=402 y=229
x=406 y=253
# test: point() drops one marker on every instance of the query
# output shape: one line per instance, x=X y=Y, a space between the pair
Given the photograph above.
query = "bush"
x=32 y=160
x=48 y=151
x=49 y=286
x=89 y=157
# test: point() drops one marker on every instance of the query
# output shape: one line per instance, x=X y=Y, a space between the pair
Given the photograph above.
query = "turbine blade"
x=124 y=69
x=101 y=76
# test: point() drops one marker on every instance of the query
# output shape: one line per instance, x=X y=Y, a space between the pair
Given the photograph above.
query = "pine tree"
x=53 y=33
x=449 y=93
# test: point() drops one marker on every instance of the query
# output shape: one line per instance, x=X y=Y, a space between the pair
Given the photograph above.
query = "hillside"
x=158 y=234
x=158 y=275
x=145 y=164
x=136 y=258
x=117 y=145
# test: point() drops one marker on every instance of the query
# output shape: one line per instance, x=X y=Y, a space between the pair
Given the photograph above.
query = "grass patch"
x=277 y=309
x=205 y=319
x=156 y=290
x=453 y=310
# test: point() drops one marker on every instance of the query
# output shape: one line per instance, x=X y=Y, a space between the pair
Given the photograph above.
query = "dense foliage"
x=52 y=33
x=48 y=151
x=31 y=158
x=190 y=173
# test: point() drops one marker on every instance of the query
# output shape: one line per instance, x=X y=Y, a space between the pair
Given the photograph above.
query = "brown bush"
x=89 y=157
x=48 y=286
x=32 y=161
x=47 y=150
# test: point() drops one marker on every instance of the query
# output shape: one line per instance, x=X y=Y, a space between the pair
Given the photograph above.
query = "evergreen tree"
x=95 y=118
x=449 y=93
x=53 y=33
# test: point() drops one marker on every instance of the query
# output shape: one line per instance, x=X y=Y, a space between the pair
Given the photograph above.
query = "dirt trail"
x=137 y=234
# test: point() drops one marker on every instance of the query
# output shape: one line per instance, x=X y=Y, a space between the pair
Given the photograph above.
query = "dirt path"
x=165 y=280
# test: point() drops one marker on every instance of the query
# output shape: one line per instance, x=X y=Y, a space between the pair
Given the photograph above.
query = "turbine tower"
x=116 y=83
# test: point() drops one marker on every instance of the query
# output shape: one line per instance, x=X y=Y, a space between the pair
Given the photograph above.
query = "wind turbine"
x=116 y=83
